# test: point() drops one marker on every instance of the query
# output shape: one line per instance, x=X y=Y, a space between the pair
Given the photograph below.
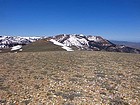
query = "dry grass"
x=69 y=78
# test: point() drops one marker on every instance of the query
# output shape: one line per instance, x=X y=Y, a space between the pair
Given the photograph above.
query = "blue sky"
x=112 y=19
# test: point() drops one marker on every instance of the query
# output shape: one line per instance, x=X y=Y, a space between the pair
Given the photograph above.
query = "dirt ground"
x=69 y=78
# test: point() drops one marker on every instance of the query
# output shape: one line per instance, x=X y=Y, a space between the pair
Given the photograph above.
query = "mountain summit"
x=68 y=42
x=92 y=43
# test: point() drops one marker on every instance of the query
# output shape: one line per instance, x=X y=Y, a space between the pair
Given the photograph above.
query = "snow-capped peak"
x=73 y=40
x=81 y=41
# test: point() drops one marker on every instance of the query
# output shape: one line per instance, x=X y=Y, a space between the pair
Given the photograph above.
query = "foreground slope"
x=69 y=78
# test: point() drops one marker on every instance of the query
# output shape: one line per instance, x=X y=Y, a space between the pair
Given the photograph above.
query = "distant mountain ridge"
x=10 y=41
x=127 y=43
x=68 y=42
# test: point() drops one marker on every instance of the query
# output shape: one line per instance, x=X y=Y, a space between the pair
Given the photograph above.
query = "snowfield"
x=18 y=47
x=60 y=44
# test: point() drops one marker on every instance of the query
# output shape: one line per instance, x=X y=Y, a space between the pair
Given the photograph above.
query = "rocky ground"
x=69 y=78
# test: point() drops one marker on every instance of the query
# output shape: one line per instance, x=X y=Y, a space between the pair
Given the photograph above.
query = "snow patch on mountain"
x=62 y=45
x=93 y=38
x=16 y=47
